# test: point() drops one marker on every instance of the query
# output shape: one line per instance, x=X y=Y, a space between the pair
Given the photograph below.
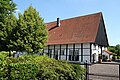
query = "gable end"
x=101 y=37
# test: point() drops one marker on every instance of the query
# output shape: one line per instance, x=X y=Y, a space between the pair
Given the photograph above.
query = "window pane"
x=62 y=52
x=50 y=52
x=55 y=54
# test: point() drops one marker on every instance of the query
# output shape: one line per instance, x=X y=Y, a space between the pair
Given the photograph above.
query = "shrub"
x=80 y=71
x=36 y=67
x=118 y=57
x=114 y=57
x=3 y=65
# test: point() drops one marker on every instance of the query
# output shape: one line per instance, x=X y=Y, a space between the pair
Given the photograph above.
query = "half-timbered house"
x=77 y=39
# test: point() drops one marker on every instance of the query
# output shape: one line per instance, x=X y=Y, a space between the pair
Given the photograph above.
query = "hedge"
x=34 y=67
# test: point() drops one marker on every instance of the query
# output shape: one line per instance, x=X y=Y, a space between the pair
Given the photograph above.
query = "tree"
x=6 y=32
x=30 y=34
x=7 y=7
x=111 y=49
x=115 y=49
x=11 y=23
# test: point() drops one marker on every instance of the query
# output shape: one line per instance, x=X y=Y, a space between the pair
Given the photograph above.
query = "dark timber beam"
x=81 y=52
x=60 y=53
x=101 y=51
x=73 y=52
x=66 y=51
x=48 y=50
x=90 y=52
x=54 y=52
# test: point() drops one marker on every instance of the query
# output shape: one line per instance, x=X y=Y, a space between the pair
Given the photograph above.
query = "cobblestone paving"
x=104 y=72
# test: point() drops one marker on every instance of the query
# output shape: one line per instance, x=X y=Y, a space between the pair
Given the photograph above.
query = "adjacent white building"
x=77 y=39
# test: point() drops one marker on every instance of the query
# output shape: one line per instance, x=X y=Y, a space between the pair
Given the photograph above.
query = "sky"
x=51 y=9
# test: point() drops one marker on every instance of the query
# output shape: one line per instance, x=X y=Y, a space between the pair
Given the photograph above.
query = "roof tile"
x=81 y=29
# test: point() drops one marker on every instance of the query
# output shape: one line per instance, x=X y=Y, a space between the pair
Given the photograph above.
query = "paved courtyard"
x=104 y=72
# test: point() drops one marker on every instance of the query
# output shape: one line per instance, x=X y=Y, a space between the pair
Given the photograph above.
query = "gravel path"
x=104 y=72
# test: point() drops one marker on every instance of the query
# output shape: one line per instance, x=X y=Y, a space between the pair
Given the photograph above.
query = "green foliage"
x=114 y=57
x=34 y=67
x=7 y=22
x=23 y=71
x=118 y=57
x=115 y=49
x=80 y=71
x=6 y=33
x=6 y=7
x=111 y=48
x=3 y=65
x=30 y=34
x=3 y=55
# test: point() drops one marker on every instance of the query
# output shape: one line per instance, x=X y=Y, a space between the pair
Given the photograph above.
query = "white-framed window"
x=74 y=56
x=50 y=52
x=62 y=51
x=75 y=53
x=55 y=55
x=56 y=52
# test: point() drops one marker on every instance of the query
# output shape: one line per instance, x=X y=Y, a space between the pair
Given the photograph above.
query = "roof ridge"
x=76 y=17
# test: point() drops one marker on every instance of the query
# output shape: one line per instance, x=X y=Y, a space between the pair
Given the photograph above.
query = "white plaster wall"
x=106 y=48
x=70 y=45
x=77 y=45
x=86 y=58
x=86 y=51
x=95 y=50
x=63 y=46
x=86 y=45
x=80 y=54
x=51 y=46
x=56 y=46
x=97 y=57
x=99 y=49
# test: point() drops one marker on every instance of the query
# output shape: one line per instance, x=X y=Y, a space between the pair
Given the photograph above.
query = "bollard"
x=86 y=70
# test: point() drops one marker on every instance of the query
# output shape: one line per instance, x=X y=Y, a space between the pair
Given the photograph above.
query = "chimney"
x=58 y=22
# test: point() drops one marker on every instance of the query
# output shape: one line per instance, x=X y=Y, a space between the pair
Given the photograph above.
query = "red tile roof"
x=107 y=51
x=81 y=29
